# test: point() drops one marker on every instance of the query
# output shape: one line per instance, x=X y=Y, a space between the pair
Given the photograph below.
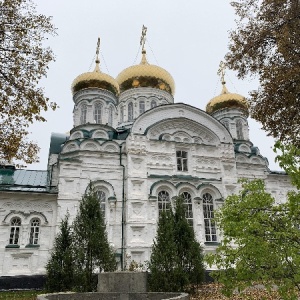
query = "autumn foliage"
x=24 y=61
x=266 y=45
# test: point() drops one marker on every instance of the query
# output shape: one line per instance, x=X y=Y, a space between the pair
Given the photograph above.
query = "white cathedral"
x=139 y=150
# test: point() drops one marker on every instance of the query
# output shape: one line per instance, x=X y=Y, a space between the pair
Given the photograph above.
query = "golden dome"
x=226 y=100
x=146 y=75
x=95 y=79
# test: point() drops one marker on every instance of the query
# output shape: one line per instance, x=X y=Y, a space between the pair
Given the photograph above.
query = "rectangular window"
x=182 y=158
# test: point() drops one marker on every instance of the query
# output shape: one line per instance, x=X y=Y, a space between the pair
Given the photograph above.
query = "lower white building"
x=140 y=150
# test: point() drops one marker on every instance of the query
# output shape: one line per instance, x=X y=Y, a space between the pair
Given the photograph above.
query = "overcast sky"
x=187 y=38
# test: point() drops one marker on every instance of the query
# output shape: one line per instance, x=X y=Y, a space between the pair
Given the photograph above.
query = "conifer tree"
x=91 y=248
x=176 y=262
x=164 y=263
x=60 y=268
x=189 y=250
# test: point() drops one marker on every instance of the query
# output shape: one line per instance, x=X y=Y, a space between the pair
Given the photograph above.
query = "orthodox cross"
x=97 y=49
x=221 y=71
x=143 y=37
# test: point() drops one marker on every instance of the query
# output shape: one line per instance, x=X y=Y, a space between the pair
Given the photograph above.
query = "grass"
x=19 y=295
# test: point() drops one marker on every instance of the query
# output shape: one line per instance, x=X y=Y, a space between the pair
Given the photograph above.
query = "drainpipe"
x=123 y=213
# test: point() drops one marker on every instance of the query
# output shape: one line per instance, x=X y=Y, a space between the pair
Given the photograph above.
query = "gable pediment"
x=172 y=122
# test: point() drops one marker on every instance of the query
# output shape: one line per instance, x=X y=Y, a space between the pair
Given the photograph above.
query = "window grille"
x=239 y=130
x=188 y=205
x=130 y=111
x=83 y=114
x=110 y=116
x=34 y=232
x=15 y=228
x=163 y=201
x=142 y=106
x=208 y=214
x=182 y=160
x=98 y=113
x=122 y=114
x=102 y=201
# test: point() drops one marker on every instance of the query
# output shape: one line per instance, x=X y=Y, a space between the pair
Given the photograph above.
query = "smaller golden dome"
x=95 y=79
x=226 y=100
x=146 y=75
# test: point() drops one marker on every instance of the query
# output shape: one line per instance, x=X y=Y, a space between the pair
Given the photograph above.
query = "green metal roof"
x=23 y=180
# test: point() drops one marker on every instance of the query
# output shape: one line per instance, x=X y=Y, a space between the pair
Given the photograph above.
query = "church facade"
x=139 y=150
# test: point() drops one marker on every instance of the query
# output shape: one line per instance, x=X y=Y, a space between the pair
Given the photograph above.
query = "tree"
x=164 y=262
x=266 y=44
x=176 y=261
x=24 y=61
x=60 y=270
x=261 y=241
x=92 y=253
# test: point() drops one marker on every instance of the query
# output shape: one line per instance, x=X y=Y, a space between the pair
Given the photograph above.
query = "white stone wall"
x=26 y=206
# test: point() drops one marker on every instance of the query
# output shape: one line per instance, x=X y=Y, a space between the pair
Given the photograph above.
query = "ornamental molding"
x=94 y=94
x=147 y=93
x=188 y=131
x=190 y=116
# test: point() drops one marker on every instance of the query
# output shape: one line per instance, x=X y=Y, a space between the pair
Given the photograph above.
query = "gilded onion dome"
x=95 y=79
x=226 y=100
x=146 y=75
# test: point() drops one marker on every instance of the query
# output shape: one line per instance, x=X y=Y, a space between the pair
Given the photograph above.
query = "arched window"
x=34 y=231
x=226 y=124
x=130 y=111
x=187 y=202
x=110 y=116
x=15 y=228
x=102 y=201
x=142 y=106
x=163 y=201
x=208 y=214
x=153 y=103
x=239 y=130
x=122 y=114
x=83 y=114
x=98 y=113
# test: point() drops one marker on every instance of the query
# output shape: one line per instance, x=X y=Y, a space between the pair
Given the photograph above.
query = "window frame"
x=83 y=113
x=163 y=201
x=239 y=130
x=98 y=109
x=122 y=114
x=210 y=229
x=102 y=197
x=182 y=160
x=34 y=234
x=142 y=106
x=153 y=102
x=110 y=116
x=188 y=205
x=15 y=231
x=130 y=111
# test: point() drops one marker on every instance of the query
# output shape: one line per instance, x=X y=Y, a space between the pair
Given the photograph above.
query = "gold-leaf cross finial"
x=221 y=71
x=143 y=37
x=97 y=49
x=97 y=67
